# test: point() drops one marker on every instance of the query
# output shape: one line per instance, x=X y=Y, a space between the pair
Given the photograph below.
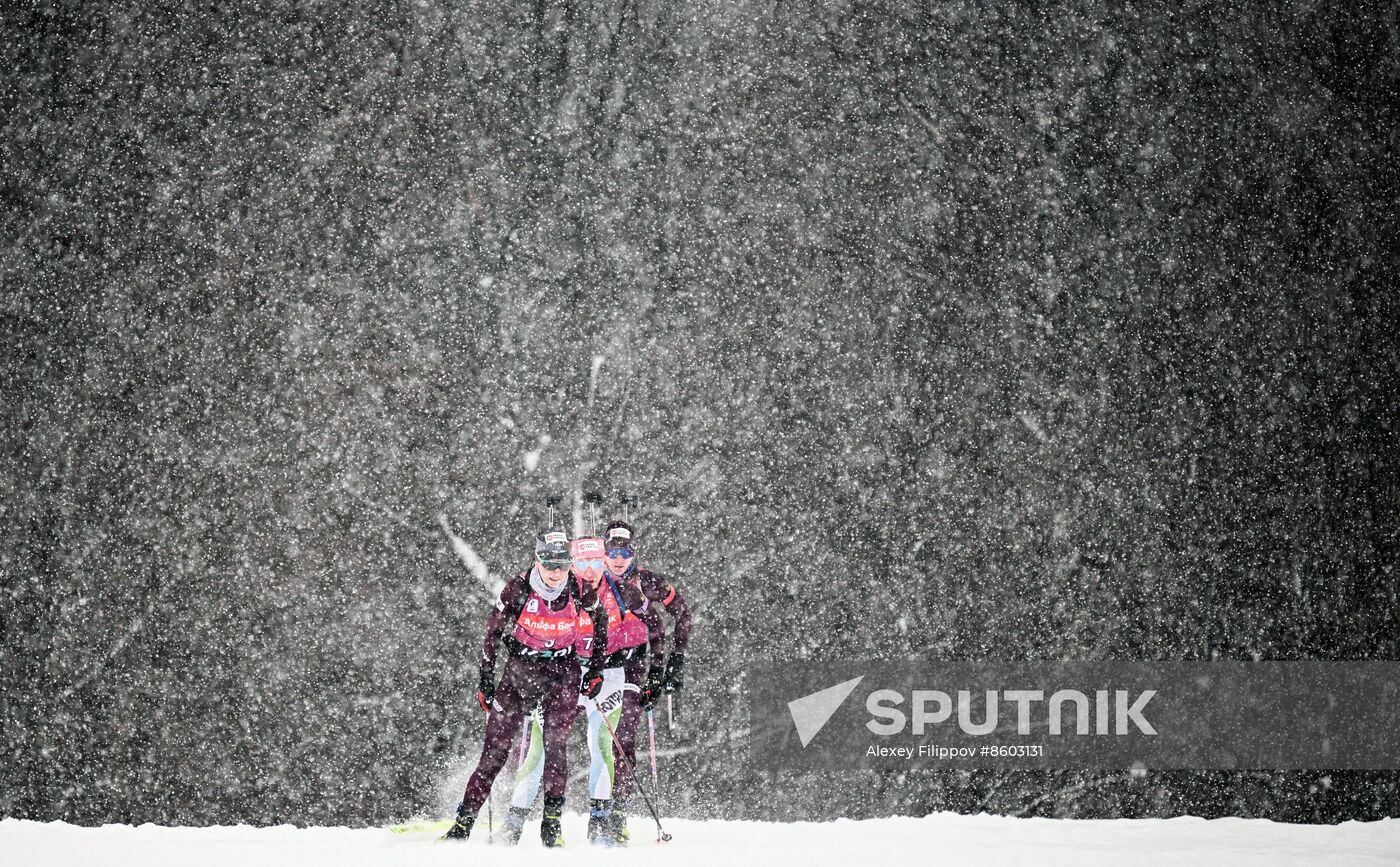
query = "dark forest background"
x=1058 y=332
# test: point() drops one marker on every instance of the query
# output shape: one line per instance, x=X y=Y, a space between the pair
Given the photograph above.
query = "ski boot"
x=550 y=833
x=462 y=828
x=617 y=822
x=509 y=835
x=600 y=822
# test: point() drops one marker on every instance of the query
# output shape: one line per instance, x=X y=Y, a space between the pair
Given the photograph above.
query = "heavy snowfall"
x=913 y=331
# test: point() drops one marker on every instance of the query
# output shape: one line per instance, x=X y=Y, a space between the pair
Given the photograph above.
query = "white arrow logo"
x=811 y=712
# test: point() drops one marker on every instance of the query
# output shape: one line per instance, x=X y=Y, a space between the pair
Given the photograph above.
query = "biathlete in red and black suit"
x=620 y=556
x=538 y=617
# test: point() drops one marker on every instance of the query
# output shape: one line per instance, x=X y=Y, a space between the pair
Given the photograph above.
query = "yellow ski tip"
x=434 y=826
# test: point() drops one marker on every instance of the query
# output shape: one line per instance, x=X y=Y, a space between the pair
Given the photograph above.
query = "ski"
x=434 y=826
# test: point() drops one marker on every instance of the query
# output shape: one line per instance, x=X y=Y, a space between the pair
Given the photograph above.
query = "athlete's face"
x=590 y=570
x=619 y=560
x=552 y=575
x=588 y=559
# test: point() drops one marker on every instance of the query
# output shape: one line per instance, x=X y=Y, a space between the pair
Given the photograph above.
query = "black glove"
x=651 y=693
x=675 y=672
x=592 y=683
x=486 y=690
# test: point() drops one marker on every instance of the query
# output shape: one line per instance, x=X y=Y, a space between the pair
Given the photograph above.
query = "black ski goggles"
x=553 y=563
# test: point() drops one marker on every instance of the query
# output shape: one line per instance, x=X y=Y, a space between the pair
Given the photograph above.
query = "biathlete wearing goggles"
x=624 y=554
x=587 y=553
x=545 y=620
x=552 y=549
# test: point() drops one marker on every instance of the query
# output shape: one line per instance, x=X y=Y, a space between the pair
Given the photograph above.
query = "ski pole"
x=661 y=836
x=651 y=734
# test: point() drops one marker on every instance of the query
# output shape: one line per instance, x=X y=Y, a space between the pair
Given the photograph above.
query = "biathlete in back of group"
x=620 y=557
x=537 y=620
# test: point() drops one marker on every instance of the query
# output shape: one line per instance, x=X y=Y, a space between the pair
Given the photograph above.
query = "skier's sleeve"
x=656 y=633
x=508 y=604
x=661 y=590
x=641 y=606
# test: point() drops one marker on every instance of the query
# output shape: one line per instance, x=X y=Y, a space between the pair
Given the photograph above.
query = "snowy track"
x=898 y=842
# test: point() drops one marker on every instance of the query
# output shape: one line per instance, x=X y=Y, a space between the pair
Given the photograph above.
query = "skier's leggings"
x=553 y=683
x=636 y=675
x=600 y=746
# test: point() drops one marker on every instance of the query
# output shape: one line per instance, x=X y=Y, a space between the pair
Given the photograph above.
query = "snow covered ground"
x=896 y=842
